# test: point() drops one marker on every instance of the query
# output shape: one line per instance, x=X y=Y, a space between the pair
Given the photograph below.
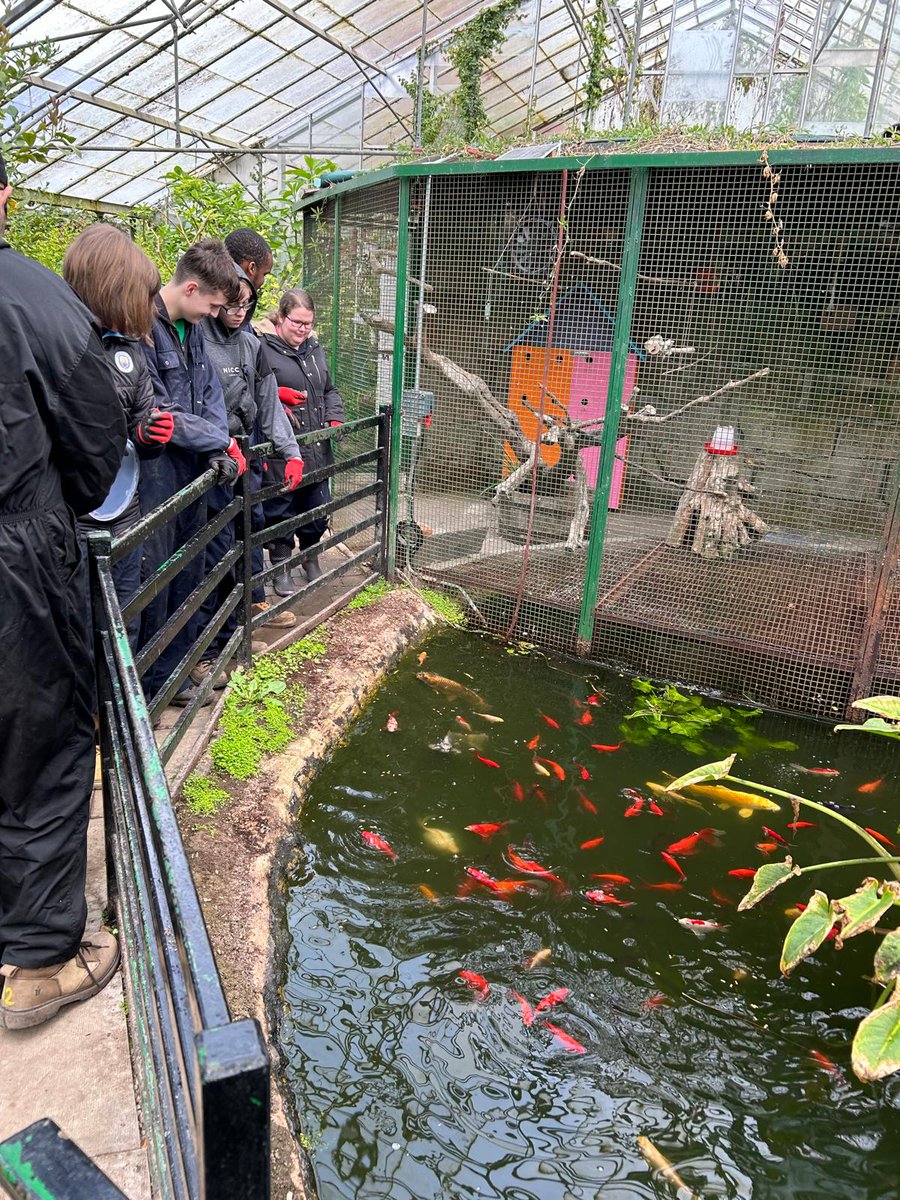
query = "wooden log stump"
x=711 y=515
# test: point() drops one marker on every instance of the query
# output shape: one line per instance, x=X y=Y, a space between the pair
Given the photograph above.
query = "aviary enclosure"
x=701 y=352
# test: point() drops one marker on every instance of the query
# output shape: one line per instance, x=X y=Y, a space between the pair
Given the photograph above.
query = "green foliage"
x=886 y=723
x=446 y=607
x=370 y=594
x=434 y=111
x=35 y=144
x=44 y=231
x=876 y=1046
x=686 y=721
x=471 y=47
x=766 y=880
x=599 y=72
x=202 y=796
x=253 y=689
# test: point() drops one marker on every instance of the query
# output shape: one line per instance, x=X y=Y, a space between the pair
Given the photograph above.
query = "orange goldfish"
x=376 y=842
x=526 y=1009
x=573 y=1046
x=673 y=863
x=554 y=767
x=477 y=983
x=553 y=724
x=692 y=843
x=550 y=1000
x=591 y=843
x=488 y=829
x=872 y=786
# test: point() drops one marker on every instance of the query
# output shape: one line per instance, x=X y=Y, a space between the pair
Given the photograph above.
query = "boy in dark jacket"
x=186 y=385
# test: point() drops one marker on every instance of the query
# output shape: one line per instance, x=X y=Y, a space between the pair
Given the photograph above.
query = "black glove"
x=226 y=468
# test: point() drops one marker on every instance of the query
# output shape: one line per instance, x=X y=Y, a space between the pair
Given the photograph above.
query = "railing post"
x=99 y=546
x=234 y=1079
x=397 y=374
x=245 y=607
x=383 y=498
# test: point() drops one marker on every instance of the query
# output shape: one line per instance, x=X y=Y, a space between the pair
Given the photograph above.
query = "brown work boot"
x=284 y=620
x=32 y=995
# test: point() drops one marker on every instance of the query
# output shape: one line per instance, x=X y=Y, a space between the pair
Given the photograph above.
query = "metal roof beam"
x=26 y=195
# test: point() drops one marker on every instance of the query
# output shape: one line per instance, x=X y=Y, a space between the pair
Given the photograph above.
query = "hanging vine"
x=599 y=72
x=471 y=47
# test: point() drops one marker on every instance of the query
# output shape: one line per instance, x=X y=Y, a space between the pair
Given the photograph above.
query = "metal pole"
x=397 y=373
x=382 y=497
x=813 y=55
x=887 y=34
x=779 y=21
x=662 y=99
x=177 y=94
x=245 y=608
x=423 y=262
x=335 y=289
x=534 y=53
x=420 y=75
x=734 y=62
x=362 y=124
x=632 y=69
x=637 y=202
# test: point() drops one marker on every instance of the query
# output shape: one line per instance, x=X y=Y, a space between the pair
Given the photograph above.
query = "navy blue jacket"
x=186 y=384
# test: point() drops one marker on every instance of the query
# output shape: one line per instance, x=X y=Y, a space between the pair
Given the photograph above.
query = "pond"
x=411 y=1083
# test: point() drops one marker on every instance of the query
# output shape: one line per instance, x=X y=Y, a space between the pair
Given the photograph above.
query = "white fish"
x=489 y=717
x=440 y=839
x=696 y=925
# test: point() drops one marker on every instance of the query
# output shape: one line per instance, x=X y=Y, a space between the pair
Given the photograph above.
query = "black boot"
x=312 y=568
x=282 y=583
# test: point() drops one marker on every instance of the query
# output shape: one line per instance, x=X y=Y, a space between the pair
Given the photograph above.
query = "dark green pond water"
x=411 y=1087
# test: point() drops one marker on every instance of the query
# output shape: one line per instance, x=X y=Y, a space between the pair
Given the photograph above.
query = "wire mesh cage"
x=733 y=327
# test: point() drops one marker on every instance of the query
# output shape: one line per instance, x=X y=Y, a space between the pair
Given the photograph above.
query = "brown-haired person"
x=311 y=401
x=62 y=433
x=186 y=385
x=116 y=280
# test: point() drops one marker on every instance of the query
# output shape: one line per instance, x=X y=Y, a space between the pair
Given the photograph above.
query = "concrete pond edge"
x=241 y=857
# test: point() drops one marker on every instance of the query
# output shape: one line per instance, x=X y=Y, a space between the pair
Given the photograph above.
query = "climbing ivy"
x=434 y=110
x=599 y=72
x=471 y=47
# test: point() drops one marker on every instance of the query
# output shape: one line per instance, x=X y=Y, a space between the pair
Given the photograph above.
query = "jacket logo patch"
x=124 y=362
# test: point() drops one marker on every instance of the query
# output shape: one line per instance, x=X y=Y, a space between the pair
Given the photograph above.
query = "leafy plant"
x=445 y=606
x=599 y=72
x=36 y=142
x=876 y=1044
x=686 y=721
x=370 y=594
x=203 y=796
x=248 y=688
x=471 y=47
x=434 y=111
x=887 y=721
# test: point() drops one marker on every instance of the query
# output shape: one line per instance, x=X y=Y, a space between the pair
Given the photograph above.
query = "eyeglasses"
x=234 y=309
x=298 y=324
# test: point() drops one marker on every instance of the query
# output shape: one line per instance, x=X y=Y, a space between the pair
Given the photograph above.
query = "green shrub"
x=445 y=606
x=202 y=796
x=370 y=594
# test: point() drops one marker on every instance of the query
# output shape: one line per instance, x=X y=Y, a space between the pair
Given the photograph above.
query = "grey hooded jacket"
x=251 y=393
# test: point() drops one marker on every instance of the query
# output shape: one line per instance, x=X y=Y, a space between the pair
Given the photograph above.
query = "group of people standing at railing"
x=116 y=391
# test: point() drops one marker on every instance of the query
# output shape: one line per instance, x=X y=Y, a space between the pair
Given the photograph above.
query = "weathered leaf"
x=887 y=958
x=808 y=932
x=860 y=912
x=874 y=725
x=882 y=706
x=714 y=770
x=766 y=880
x=876 y=1046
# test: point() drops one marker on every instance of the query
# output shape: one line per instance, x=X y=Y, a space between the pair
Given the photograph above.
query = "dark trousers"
x=46 y=739
x=161 y=478
x=293 y=504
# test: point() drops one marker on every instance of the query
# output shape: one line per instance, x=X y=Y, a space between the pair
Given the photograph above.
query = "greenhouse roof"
x=244 y=87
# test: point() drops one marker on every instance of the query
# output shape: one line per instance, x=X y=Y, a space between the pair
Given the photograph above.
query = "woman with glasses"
x=311 y=401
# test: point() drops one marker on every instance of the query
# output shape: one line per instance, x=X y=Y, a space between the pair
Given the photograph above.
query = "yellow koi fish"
x=725 y=796
x=439 y=839
x=449 y=687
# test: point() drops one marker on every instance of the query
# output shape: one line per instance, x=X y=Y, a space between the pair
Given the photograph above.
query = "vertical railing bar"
x=245 y=608
x=335 y=289
x=398 y=368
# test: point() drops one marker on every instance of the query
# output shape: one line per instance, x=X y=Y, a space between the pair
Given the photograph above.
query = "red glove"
x=233 y=450
x=157 y=429
x=291 y=396
x=334 y=424
x=293 y=473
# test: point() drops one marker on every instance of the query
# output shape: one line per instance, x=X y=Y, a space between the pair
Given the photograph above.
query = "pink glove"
x=334 y=424
x=293 y=474
x=233 y=450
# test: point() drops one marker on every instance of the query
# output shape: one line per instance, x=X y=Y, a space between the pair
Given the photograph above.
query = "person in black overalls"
x=62 y=436
x=311 y=402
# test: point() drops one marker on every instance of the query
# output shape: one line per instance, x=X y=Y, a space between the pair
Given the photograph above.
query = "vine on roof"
x=33 y=143
x=471 y=48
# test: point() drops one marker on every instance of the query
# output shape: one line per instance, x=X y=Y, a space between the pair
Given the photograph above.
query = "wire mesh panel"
x=515 y=350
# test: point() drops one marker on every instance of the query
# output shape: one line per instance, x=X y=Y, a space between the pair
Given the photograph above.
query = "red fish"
x=611 y=878
x=465 y=724
x=518 y=791
x=488 y=762
x=527 y=1010
x=539 y=793
x=598 y=896
x=772 y=833
x=477 y=983
x=698 y=926
x=587 y=805
x=482 y=877
x=509 y=887
x=597 y=746
x=553 y=724
x=550 y=1000
x=655 y=809
x=872 y=786
x=567 y=1040
x=554 y=767
x=634 y=809
x=802 y=825
x=586 y=718
x=829 y=771
x=766 y=847
x=673 y=863
x=654 y=1001
x=392 y=724
x=591 y=843
x=631 y=794
x=824 y=1061
x=535 y=742
x=488 y=829
x=720 y=897
x=880 y=837
x=691 y=844
x=664 y=887
x=583 y=771
x=742 y=872
x=595 y=698
x=530 y=867
x=377 y=843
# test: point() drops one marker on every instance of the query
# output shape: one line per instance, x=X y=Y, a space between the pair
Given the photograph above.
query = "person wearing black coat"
x=118 y=282
x=62 y=435
x=311 y=402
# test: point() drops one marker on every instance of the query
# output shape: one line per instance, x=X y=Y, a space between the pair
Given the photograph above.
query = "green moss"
x=371 y=593
x=445 y=606
x=202 y=796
